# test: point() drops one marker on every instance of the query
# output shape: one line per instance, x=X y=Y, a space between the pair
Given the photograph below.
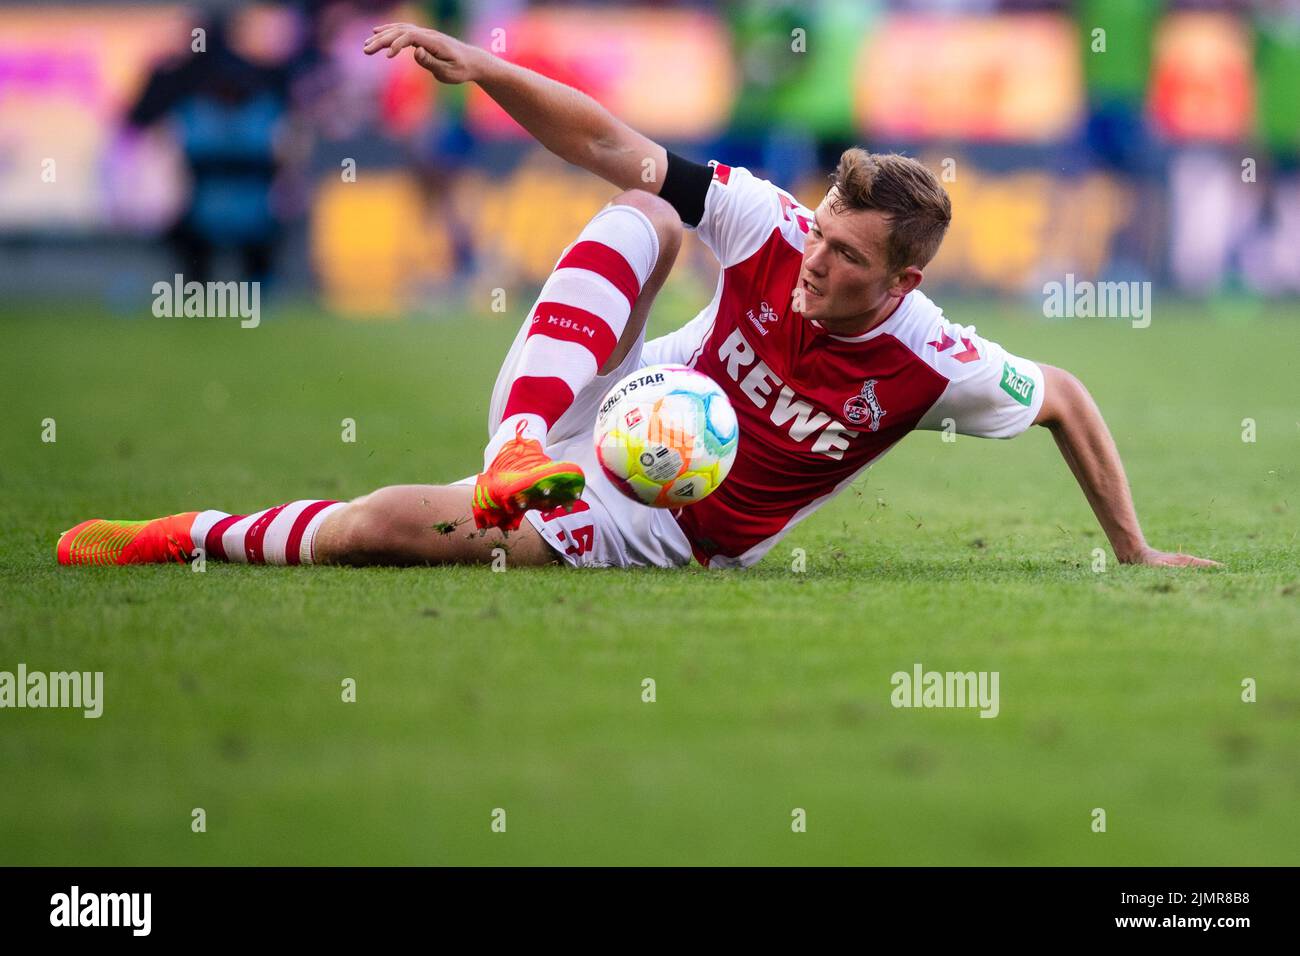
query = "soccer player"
x=817 y=332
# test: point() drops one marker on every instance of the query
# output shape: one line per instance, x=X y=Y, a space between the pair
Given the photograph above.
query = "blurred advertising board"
x=1202 y=83
x=666 y=72
x=1012 y=78
x=66 y=76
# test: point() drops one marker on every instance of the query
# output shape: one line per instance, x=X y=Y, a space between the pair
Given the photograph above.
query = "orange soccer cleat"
x=522 y=478
x=105 y=541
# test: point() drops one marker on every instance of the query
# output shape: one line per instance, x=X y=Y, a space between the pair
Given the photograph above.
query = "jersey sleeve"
x=990 y=394
x=740 y=213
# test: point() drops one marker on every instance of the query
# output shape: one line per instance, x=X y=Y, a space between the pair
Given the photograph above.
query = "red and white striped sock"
x=282 y=535
x=575 y=326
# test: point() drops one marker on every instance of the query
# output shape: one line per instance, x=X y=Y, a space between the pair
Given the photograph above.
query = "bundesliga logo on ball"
x=666 y=436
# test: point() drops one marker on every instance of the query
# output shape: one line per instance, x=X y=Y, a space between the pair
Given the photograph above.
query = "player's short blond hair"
x=910 y=195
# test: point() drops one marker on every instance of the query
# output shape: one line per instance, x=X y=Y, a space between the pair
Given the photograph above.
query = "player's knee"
x=368 y=526
x=663 y=217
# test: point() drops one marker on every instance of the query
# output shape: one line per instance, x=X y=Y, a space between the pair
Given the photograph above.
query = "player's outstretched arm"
x=1075 y=422
x=567 y=122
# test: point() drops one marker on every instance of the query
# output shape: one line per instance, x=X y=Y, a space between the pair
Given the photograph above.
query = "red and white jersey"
x=817 y=409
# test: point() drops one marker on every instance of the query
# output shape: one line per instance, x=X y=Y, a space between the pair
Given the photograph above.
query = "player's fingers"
x=403 y=40
x=381 y=40
x=431 y=57
x=433 y=41
x=1188 y=561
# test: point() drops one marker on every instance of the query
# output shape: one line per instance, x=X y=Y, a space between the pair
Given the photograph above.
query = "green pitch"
x=522 y=690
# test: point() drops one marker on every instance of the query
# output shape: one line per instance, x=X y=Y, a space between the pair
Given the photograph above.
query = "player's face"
x=844 y=282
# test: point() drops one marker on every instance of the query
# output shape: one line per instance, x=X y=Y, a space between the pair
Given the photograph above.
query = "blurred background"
x=1113 y=139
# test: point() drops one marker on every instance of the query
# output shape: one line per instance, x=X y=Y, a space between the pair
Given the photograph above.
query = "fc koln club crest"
x=865 y=407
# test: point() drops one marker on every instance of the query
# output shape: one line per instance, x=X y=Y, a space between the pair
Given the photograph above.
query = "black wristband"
x=685 y=186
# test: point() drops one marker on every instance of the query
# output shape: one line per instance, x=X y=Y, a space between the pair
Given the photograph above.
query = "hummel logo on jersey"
x=944 y=342
x=765 y=314
x=865 y=407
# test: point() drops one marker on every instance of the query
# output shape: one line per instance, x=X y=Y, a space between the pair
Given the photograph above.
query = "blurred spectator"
x=227 y=112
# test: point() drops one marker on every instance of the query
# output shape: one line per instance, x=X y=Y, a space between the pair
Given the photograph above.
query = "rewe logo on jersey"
x=765 y=315
x=758 y=383
x=865 y=407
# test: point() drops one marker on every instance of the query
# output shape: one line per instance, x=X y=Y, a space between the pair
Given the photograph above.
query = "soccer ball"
x=666 y=436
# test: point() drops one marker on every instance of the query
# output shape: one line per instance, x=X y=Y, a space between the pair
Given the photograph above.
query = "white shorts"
x=606 y=529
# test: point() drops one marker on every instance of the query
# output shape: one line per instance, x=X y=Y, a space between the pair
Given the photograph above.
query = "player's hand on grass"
x=1169 y=559
x=447 y=58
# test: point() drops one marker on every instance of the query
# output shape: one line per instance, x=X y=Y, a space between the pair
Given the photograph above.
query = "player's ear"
x=905 y=281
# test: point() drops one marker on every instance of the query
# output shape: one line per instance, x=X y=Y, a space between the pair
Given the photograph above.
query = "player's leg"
x=388 y=525
x=589 y=315
x=403 y=524
x=668 y=230
x=283 y=534
x=422 y=524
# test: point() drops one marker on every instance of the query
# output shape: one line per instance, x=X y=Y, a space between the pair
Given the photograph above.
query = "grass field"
x=522 y=690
